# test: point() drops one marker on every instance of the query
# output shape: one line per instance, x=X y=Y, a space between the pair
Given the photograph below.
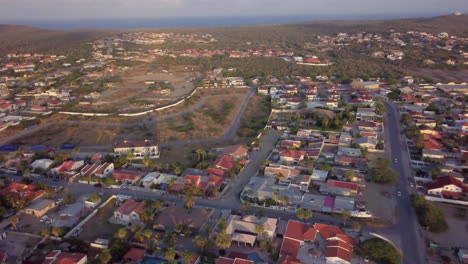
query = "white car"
x=59 y=200
x=44 y=218
x=395 y=160
x=398 y=194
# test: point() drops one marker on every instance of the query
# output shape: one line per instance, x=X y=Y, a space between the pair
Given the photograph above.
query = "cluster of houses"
x=392 y=46
x=436 y=123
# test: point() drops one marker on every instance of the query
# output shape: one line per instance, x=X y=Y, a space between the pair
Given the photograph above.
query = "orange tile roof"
x=130 y=206
x=135 y=254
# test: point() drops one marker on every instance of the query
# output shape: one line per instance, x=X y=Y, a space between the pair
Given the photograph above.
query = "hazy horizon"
x=124 y=9
x=199 y=21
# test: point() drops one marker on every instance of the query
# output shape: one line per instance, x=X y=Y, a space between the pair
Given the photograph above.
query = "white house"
x=129 y=211
x=140 y=149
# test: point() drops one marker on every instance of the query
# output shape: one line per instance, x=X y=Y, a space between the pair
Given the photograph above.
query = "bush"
x=380 y=251
x=429 y=215
x=383 y=175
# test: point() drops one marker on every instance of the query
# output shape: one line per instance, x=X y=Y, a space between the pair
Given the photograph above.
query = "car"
x=411 y=185
x=98 y=185
x=398 y=194
x=366 y=259
x=44 y=219
x=395 y=160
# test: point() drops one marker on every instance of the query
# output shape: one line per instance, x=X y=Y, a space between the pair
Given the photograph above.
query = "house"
x=225 y=260
x=365 y=114
x=140 y=149
x=70 y=214
x=291 y=144
x=98 y=169
x=368 y=126
x=447 y=187
x=134 y=255
x=225 y=162
x=23 y=191
x=204 y=183
x=59 y=257
x=319 y=175
x=351 y=152
x=67 y=168
x=39 y=207
x=300 y=239
x=42 y=164
x=291 y=156
x=339 y=188
x=125 y=175
x=236 y=151
x=243 y=230
x=332 y=103
x=366 y=142
x=129 y=212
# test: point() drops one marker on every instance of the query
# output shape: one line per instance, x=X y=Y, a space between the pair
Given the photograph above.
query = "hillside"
x=16 y=28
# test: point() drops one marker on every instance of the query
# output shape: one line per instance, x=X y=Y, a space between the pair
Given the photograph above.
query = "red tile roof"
x=130 y=206
x=58 y=257
x=343 y=185
x=292 y=153
x=130 y=175
x=242 y=261
x=338 y=252
x=290 y=247
x=223 y=260
x=214 y=171
x=225 y=162
x=446 y=180
x=136 y=254
x=22 y=190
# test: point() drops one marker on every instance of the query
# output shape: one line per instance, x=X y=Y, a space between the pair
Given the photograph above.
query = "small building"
x=129 y=212
x=39 y=207
x=140 y=149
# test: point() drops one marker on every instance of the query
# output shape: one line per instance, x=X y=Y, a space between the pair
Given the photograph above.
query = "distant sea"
x=177 y=22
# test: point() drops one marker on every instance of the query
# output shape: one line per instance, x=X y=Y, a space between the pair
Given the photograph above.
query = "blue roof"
x=67 y=146
x=9 y=148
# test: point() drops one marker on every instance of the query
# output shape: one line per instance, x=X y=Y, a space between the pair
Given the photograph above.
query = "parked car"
x=59 y=201
x=44 y=219
x=399 y=194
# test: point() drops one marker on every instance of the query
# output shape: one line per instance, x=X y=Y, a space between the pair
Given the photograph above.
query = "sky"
x=113 y=9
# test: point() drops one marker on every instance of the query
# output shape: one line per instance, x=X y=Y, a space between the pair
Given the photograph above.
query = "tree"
x=14 y=221
x=45 y=232
x=3 y=211
x=58 y=231
x=380 y=251
x=94 y=198
x=105 y=256
x=147 y=216
x=383 y=162
x=284 y=200
x=223 y=240
x=304 y=214
x=189 y=201
x=429 y=215
x=260 y=228
x=436 y=172
x=222 y=225
x=346 y=215
x=146 y=161
x=325 y=167
x=200 y=242
x=383 y=175
x=121 y=233
x=68 y=198
x=350 y=174
x=170 y=254
x=178 y=228
x=187 y=257
x=201 y=154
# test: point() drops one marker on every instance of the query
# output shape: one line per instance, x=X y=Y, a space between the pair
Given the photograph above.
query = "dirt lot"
x=99 y=226
x=93 y=131
x=442 y=75
x=17 y=245
x=133 y=94
x=457 y=220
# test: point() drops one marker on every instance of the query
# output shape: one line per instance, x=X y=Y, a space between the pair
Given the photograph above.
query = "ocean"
x=178 y=22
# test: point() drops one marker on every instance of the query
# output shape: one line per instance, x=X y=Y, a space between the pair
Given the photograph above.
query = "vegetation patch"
x=429 y=215
x=379 y=251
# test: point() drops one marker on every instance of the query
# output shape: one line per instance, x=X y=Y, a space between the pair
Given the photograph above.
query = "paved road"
x=407 y=228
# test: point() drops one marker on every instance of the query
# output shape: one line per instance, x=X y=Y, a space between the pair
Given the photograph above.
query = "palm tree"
x=187 y=257
x=201 y=154
x=140 y=236
x=346 y=216
x=147 y=234
x=260 y=228
x=304 y=214
x=105 y=256
x=223 y=240
x=14 y=221
x=200 y=242
x=146 y=161
x=121 y=233
x=170 y=254
x=189 y=201
x=222 y=225
x=147 y=216
x=172 y=181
